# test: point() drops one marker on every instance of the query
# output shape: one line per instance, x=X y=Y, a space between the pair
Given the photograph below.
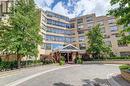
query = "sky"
x=75 y=8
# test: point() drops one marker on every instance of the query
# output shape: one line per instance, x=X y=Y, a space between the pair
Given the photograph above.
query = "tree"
x=23 y=37
x=122 y=13
x=97 y=47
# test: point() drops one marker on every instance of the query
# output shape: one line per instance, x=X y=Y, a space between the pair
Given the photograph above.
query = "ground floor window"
x=49 y=46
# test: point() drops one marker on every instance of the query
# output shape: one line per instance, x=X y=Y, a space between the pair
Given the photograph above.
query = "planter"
x=125 y=75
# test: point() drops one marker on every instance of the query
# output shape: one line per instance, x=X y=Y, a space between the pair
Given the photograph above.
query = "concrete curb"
x=111 y=80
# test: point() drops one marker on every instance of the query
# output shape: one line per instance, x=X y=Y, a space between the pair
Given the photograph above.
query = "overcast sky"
x=75 y=8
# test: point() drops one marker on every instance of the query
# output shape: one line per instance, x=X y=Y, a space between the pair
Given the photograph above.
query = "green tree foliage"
x=97 y=47
x=122 y=13
x=23 y=37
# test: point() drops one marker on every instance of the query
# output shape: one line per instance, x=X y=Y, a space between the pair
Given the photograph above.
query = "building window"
x=48 y=46
x=60 y=31
x=43 y=18
x=59 y=38
x=122 y=44
x=57 y=23
x=103 y=29
x=44 y=27
x=73 y=25
x=68 y=40
x=79 y=21
x=43 y=46
x=54 y=46
x=80 y=26
x=101 y=23
x=114 y=28
x=111 y=21
x=80 y=32
x=5 y=7
x=82 y=46
x=90 y=25
x=89 y=19
x=50 y=14
x=81 y=38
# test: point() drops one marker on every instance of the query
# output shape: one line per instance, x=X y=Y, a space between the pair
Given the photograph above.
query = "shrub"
x=124 y=67
x=118 y=57
x=10 y=65
x=62 y=61
x=78 y=60
x=47 y=61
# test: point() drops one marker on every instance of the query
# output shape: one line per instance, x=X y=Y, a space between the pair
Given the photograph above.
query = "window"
x=90 y=24
x=79 y=27
x=101 y=23
x=48 y=46
x=50 y=14
x=68 y=40
x=57 y=23
x=43 y=46
x=82 y=46
x=5 y=7
x=89 y=19
x=80 y=32
x=59 y=31
x=43 y=18
x=44 y=27
x=103 y=29
x=68 y=32
x=79 y=21
x=114 y=28
x=81 y=38
x=111 y=21
x=59 y=39
x=72 y=25
x=54 y=46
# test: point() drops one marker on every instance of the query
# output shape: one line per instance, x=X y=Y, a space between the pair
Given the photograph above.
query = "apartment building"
x=59 y=30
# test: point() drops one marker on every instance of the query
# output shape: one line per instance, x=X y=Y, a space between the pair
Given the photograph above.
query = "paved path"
x=69 y=75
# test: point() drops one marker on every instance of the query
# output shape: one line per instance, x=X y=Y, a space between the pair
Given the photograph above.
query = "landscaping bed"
x=125 y=71
x=12 y=65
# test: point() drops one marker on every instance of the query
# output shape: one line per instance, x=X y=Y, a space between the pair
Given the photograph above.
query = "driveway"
x=70 y=75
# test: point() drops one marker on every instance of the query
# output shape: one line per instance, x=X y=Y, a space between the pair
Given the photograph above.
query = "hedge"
x=10 y=65
x=124 y=67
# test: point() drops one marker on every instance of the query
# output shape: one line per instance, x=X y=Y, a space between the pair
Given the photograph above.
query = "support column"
x=68 y=57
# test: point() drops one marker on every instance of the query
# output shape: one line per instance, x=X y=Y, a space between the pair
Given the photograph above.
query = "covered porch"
x=69 y=52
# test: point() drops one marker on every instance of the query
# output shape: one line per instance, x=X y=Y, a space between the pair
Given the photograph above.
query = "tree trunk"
x=18 y=61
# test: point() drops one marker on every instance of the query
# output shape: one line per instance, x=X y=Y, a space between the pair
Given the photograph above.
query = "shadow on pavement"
x=96 y=82
x=61 y=84
x=87 y=82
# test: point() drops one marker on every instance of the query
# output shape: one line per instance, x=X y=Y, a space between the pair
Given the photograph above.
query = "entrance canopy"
x=68 y=48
